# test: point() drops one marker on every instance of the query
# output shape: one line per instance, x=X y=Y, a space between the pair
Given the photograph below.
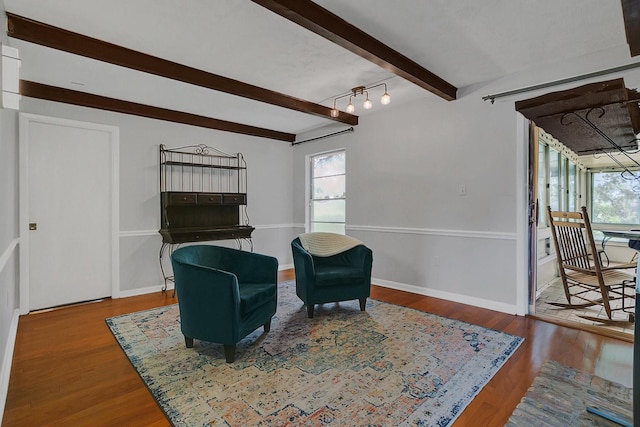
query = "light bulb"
x=334 y=112
x=386 y=98
x=367 y=104
x=350 y=108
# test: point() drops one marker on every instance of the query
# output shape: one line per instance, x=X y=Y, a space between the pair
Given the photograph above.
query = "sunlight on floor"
x=555 y=293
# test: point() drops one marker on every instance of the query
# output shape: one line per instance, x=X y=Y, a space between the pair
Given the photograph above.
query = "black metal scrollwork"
x=626 y=173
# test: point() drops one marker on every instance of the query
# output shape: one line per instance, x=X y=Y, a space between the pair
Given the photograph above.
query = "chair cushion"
x=337 y=275
x=254 y=295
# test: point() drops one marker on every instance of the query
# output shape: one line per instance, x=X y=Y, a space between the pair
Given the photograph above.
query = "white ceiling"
x=465 y=42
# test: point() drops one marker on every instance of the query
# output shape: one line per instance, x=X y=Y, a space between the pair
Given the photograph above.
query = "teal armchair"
x=224 y=294
x=340 y=277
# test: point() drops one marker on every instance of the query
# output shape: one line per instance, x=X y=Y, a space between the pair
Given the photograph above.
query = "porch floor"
x=554 y=293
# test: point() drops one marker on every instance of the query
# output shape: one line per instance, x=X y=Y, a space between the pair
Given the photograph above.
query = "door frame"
x=524 y=274
x=25 y=120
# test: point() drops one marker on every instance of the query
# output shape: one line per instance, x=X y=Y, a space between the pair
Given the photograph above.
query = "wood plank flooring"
x=68 y=369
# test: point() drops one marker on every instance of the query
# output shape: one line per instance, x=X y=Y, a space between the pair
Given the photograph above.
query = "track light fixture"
x=360 y=90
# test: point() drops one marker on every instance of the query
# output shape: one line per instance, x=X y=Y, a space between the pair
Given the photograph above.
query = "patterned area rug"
x=559 y=396
x=388 y=366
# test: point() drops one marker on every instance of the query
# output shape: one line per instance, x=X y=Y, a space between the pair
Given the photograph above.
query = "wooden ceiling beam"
x=83 y=99
x=631 y=13
x=61 y=39
x=315 y=18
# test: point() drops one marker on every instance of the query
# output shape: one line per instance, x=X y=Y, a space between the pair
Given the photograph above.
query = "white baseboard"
x=463 y=299
x=5 y=370
x=144 y=291
x=285 y=267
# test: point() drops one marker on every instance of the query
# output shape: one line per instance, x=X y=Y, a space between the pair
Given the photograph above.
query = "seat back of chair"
x=573 y=240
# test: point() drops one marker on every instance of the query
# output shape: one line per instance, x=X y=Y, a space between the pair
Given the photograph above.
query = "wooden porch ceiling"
x=588 y=119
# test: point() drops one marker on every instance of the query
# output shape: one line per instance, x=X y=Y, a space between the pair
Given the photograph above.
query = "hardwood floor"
x=68 y=369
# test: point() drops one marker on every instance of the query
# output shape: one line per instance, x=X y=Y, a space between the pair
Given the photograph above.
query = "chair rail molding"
x=496 y=235
x=139 y=233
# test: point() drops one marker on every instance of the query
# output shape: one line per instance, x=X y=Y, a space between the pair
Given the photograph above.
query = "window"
x=560 y=179
x=556 y=179
x=328 y=193
x=571 y=191
x=613 y=199
x=542 y=184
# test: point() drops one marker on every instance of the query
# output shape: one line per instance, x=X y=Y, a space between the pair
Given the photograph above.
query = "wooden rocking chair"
x=583 y=276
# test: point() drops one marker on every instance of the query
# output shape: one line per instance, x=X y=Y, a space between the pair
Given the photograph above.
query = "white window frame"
x=309 y=181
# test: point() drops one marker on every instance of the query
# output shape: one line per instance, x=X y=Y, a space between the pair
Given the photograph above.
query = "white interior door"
x=70 y=212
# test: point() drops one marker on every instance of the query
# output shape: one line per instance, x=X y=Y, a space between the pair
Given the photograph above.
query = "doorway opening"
x=583 y=152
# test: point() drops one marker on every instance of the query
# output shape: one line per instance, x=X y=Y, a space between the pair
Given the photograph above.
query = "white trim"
x=7 y=359
x=114 y=139
x=463 y=299
x=23 y=189
x=547 y=259
x=544 y=233
x=23 y=207
x=522 y=214
x=4 y=259
x=144 y=291
x=285 y=267
x=435 y=232
x=307 y=192
x=139 y=233
x=272 y=226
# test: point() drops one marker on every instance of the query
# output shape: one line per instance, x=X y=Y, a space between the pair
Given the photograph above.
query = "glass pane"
x=327 y=227
x=554 y=180
x=328 y=211
x=572 y=187
x=328 y=188
x=542 y=187
x=614 y=200
x=328 y=164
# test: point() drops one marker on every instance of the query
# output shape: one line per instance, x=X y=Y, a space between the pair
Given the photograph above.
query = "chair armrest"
x=303 y=262
x=206 y=294
x=621 y=266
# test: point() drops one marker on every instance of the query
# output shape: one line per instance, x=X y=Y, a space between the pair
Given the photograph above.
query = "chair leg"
x=188 y=342
x=310 y=310
x=267 y=326
x=363 y=304
x=229 y=352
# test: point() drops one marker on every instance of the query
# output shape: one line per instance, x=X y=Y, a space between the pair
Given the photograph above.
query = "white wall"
x=9 y=241
x=9 y=246
x=404 y=170
x=269 y=186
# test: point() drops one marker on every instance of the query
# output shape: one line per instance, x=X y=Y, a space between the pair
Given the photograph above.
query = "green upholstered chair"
x=224 y=294
x=342 y=276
